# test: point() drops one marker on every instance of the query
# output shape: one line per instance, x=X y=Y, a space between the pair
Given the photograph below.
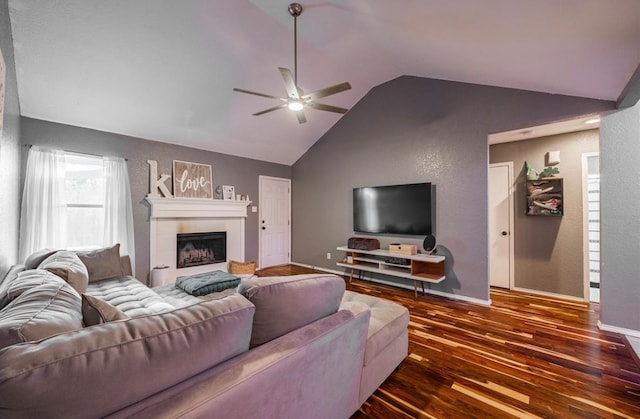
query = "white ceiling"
x=164 y=69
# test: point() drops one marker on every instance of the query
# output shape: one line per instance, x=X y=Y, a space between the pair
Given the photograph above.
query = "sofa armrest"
x=312 y=372
x=125 y=264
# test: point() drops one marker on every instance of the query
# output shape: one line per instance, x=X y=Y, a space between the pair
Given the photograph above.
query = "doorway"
x=591 y=209
x=274 y=221
x=501 y=255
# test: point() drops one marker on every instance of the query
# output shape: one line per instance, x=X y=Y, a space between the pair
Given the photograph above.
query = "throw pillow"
x=35 y=259
x=68 y=266
x=97 y=311
x=102 y=263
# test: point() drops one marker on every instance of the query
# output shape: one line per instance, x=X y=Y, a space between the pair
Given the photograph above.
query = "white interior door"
x=501 y=225
x=274 y=222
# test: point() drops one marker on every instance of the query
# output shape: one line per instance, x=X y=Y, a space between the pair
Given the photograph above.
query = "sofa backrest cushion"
x=40 y=311
x=97 y=311
x=102 y=263
x=97 y=370
x=33 y=260
x=67 y=265
x=8 y=279
x=286 y=303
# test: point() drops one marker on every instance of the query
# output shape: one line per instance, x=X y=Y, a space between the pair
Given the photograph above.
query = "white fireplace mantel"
x=196 y=208
x=171 y=216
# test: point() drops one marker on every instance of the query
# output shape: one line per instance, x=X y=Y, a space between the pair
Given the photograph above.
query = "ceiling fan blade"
x=327 y=91
x=275 y=108
x=235 y=89
x=301 y=117
x=289 y=83
x=323 y=107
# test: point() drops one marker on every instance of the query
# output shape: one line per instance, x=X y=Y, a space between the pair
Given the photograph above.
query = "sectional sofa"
x=80 y=337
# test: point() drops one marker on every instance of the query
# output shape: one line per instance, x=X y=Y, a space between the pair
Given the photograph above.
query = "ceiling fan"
x=296 y=99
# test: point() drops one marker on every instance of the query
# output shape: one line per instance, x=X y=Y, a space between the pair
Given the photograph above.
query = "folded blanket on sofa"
x=207 y=282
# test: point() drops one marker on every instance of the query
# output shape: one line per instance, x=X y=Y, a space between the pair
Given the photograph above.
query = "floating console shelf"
x=419 y=268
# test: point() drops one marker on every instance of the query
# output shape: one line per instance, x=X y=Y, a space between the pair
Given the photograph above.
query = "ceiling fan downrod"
x=295 y=10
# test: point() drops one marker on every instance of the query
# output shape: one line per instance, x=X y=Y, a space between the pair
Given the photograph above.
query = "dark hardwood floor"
x=523 y=356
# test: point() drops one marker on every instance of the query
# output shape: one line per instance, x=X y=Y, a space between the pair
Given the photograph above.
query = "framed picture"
x=192 y=180
x=228 y=192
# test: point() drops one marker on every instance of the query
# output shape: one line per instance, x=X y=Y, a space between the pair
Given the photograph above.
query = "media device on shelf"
x=396 y=209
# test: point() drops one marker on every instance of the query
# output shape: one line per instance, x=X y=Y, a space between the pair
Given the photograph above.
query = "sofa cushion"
x=388 y=320
x=130 y=296
x=102 y=263
x=98 y=370
x=97 y=311
x=67 y=265
x=8 y=279
x=286 y=303
x=33 y=260
x=41 y=311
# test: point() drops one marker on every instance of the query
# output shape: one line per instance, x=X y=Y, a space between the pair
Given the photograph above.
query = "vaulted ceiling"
x=164 y=69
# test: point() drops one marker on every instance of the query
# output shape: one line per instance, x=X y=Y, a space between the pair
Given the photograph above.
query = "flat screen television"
x=395 y=209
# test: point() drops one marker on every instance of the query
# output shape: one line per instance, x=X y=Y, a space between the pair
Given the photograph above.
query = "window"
x=84 y=196
x=75 y=201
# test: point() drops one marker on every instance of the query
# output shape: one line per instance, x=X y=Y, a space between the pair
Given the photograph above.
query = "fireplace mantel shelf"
x=196 y=208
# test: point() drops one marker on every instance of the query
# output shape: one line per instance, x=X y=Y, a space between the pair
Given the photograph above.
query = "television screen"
x=396 y=209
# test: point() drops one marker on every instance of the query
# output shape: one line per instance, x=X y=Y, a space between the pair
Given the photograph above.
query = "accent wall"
x=409 y=130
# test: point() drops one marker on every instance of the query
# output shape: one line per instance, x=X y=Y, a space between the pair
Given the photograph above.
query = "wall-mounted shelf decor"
x=545 y=197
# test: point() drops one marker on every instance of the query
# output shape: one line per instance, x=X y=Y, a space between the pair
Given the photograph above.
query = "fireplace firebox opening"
x=195 y=249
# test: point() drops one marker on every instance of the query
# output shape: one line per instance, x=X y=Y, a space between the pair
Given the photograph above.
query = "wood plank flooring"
x=523 y=356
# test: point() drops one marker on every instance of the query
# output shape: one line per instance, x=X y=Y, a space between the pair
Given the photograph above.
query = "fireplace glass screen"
x=195 y=249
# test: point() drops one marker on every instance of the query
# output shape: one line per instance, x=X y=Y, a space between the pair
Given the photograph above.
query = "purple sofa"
x=283 y=347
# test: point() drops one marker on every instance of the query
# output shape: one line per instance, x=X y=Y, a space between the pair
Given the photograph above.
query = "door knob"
x=504 y=233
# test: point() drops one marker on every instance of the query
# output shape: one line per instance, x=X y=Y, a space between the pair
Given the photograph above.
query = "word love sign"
x=192 y=180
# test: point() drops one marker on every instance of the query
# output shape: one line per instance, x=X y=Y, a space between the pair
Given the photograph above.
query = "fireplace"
x=195 y=249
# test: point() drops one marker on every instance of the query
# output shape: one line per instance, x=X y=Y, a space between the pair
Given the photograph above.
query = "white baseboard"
x=550 y=294
x=405 y=286
x=621 y=330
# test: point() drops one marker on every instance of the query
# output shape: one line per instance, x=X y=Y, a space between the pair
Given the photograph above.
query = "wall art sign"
x=192 y=180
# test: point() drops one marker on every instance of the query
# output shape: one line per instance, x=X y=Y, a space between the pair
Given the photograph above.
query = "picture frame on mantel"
x=192 y=180
x=228 y=192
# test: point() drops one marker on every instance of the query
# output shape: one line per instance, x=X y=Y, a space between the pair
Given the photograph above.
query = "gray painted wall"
x=548 y=252
x=620 y=224
x=9 y=151
x=227 y=170
x=412 y=130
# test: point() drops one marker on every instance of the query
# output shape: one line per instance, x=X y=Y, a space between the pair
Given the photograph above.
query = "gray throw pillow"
x=97 y=311
x=102 y=263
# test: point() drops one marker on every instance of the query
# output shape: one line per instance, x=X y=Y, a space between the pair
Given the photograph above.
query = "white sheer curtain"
x=118 y=209
x=44 y=212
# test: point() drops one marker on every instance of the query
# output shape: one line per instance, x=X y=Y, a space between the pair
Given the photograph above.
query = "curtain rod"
x=78 y=152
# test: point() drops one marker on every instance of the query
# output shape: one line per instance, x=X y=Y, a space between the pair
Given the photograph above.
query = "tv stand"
x=418 y=268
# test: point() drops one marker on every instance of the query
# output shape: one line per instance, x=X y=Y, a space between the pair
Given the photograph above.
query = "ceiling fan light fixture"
x=295 y=105
x=296 y=99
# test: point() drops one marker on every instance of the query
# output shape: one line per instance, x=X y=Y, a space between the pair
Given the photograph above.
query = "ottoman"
x=387 y=338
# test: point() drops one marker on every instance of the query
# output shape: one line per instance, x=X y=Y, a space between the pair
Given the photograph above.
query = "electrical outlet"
x=329 y=256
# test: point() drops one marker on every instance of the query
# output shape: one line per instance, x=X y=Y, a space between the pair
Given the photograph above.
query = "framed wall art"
x=192 y=180
x=228 y=192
